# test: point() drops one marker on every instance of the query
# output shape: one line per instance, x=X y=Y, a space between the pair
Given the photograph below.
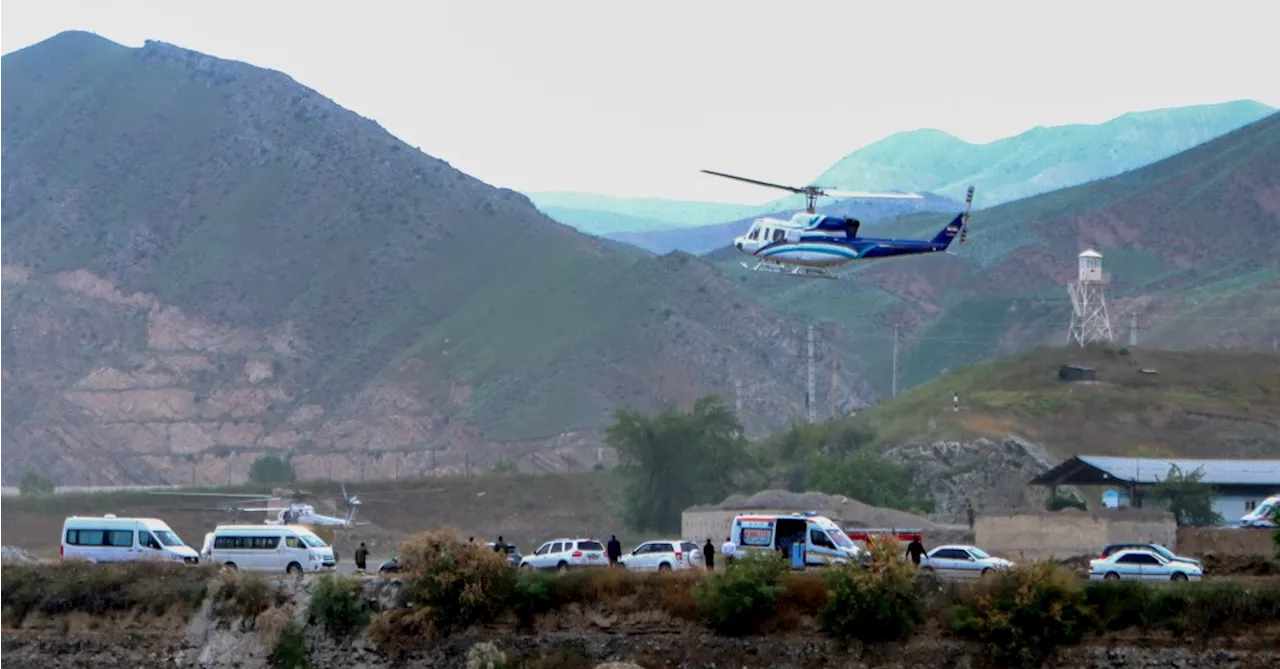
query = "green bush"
x=290 y=651
x=741 y=598
x=338 y=603
x=873 y=605
x=1119 y=605
x=534 y=593
x=1208 y=609
x=1023 y=614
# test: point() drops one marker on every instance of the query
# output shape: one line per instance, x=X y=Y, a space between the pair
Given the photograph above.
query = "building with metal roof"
x=1240 y=485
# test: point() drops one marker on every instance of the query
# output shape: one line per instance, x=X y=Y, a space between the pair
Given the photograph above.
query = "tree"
x=868 y=478
x=1190 y=500
x=271 y=469
x=35 y=484
x=675 y=460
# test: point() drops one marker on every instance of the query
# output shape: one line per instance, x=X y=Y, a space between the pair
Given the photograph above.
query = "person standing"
x=361 y=555
x=614 y=550
x=709 y=555
x=915 y=550
x=728 y=550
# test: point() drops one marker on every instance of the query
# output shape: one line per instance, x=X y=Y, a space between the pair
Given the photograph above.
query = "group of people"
x=613 y=550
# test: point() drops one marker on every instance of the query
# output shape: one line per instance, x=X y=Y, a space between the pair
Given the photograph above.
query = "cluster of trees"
x=676 y=459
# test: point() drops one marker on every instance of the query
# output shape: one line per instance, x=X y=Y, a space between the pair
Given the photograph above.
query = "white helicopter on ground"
x=809 y=242
x=294 y=513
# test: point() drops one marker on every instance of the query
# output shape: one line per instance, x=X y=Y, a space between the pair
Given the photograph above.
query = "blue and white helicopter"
x=809 y=242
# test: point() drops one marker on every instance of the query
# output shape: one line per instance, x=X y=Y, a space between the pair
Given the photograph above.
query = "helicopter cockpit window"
x=778 y=234
x=755 y=233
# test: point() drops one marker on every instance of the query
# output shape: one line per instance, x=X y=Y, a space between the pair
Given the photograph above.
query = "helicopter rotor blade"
x=868 y=194
x=793 y=189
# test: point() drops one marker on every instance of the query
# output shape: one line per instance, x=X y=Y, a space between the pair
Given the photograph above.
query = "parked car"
x=663 y=555
x=1144 y=565
x=565 y=554
x=390 y=566
x=962 y=562
x=1154 y=548
x=513 y=554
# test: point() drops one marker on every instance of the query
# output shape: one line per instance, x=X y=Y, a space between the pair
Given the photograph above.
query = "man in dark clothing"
x=499 y=545
x=709 y=555
x=915 y=550
x=614 y=550
x=362 y=554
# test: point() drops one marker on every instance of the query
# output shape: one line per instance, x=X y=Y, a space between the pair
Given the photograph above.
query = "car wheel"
x=1111 y=576
x=526 y=566
x=562 y=567
x=664 y=567
x=229 y=566
x=294 y=568
x=988 y=572
x=1179 y=576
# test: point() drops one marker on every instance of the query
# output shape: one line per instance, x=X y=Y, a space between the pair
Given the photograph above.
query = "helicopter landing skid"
x=794 y=270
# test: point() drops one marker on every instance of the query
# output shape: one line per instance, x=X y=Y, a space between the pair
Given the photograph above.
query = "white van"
x=825 y=543
x=278 y=548
x=111 y=539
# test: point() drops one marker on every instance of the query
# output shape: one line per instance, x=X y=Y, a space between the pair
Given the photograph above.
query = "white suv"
x=663 y=555
x=562 y=554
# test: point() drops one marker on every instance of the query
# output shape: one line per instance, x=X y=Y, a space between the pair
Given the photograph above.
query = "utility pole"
x=895 y=361
x=1133 y=329
x=809 y=389
x=831 y=391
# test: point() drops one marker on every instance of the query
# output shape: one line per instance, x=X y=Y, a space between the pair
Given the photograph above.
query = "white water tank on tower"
x=1090 y=266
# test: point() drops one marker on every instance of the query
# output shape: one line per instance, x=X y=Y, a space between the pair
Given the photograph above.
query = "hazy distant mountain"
x=1037 y=161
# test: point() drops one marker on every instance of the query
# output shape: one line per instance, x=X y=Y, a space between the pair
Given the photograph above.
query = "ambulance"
x=823 y=541
x=1262 y=514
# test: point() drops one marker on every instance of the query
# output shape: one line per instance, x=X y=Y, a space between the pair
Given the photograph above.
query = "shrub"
x=76 y=585
x=457 y=583
x=534 y=593
x=338 y=603
x=1024 y=614
x=1119 y=605
x=290 y=651
x=873 y=605
x=485 y=655
x=235 y=594
x=1207 y=609
x=742 y=597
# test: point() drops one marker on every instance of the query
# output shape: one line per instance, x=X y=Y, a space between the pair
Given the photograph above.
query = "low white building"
x=1240 y=485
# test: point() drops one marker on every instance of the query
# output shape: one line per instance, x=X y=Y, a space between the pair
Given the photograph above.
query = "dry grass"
x=76 y=586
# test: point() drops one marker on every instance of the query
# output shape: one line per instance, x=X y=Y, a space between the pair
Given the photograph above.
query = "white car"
x=663 y=555
x=291 y=549
x=564 y=554
x=1144 y=565
x=962 y=562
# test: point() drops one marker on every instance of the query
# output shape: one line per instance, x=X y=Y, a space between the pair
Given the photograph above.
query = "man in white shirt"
x=728 y=550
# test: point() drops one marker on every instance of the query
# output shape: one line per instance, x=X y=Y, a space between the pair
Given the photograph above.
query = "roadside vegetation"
x=448 y=585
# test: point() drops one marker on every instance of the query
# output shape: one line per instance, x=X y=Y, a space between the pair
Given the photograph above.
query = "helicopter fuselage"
x=815 y=240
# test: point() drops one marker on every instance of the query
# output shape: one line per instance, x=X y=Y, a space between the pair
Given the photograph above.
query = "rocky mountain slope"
x=1143 y=402
x=1190 y=251
x=205 y=261
x=1037 y=161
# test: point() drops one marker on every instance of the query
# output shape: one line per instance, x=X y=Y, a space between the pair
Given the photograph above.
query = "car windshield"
x=312 y=540
x=840 y=538
x=167 y=538
x=1163 y=551
x=978 y=553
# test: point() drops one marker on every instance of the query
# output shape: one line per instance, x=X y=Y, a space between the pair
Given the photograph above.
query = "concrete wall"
x=1225 y=541
x=1029 y=536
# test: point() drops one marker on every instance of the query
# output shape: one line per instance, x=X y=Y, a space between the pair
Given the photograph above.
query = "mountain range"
x=205 y=261
x=928 y=161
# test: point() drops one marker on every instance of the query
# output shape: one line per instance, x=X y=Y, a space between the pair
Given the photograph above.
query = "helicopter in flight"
x=809 y=242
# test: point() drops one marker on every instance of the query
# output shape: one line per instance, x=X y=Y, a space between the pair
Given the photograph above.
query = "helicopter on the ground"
x=293 y=513
x=809 y=242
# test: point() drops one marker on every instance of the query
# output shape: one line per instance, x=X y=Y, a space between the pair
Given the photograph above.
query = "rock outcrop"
x=984 y=473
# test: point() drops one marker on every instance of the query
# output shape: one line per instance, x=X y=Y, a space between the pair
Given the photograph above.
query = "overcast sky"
x=633 y=99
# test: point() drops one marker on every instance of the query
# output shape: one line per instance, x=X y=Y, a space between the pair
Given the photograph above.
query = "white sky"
x=633 y=99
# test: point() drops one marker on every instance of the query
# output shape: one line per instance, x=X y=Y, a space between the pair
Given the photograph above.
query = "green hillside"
x=1189 y=404
x=1189 y=244
x=1037 y=161
x=246 y=199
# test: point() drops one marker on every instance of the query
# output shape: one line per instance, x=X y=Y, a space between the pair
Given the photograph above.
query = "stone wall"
x=1028 y=536
x=1225 y=541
